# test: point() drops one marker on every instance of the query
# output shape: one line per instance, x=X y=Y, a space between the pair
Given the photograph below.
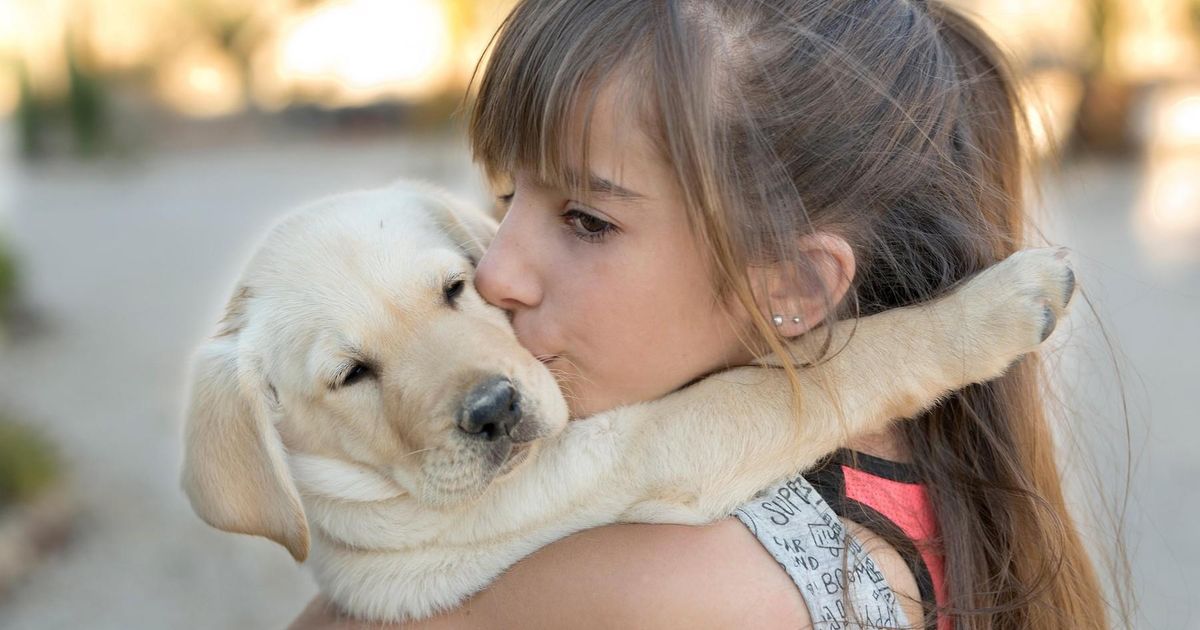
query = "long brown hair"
x=895 y=124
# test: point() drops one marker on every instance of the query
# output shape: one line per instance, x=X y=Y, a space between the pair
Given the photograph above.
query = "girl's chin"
x=576 y=408
x=564 y=375
x=580 y=405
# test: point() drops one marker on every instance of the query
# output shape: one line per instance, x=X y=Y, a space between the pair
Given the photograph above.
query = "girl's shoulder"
x=660 y=576
x=664 y=576
x=654 y=576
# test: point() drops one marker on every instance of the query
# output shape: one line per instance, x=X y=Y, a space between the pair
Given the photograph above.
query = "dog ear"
x=234 y=471
x=472 y=229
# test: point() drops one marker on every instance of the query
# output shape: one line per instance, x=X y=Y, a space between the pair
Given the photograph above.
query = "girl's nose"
x=506 y=275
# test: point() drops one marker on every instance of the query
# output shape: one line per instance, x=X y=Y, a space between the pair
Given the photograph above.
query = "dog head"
x=356 y=336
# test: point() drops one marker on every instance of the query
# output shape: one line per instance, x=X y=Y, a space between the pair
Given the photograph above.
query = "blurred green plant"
x=31 y=115
x=87 y=106
x=28 y=462
x=8 y=282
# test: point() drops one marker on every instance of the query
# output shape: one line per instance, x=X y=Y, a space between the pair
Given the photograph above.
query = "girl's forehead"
x=601 y=122
x=605 y=149
x=608 y=135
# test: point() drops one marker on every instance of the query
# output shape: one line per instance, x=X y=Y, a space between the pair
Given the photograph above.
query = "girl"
x=690 y=182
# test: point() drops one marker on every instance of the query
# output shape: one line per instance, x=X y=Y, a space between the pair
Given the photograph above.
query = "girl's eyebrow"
x=606 y=188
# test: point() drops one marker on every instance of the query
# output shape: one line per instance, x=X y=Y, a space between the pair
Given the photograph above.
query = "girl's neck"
x=888 y=444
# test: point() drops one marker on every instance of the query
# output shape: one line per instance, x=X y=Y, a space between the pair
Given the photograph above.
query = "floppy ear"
x=234 y=470
x=471 y=228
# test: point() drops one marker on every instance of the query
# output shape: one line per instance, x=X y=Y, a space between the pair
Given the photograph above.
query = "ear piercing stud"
x=778 y=319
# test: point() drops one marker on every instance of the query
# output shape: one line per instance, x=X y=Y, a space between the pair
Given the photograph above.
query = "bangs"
x=549 y=60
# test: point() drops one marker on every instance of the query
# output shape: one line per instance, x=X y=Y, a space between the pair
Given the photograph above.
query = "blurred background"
x=145 y=146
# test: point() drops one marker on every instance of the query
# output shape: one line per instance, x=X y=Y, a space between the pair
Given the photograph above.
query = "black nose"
x=491 y=409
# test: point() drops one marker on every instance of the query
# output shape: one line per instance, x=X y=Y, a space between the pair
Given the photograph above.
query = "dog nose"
x=491 y=409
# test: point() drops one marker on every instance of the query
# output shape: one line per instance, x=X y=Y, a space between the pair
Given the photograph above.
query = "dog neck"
x=357 y=507
x=341 y=481
x=353 y=506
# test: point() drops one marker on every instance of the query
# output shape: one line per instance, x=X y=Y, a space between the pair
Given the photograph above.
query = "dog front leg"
x=902 y=361
x=711 y=446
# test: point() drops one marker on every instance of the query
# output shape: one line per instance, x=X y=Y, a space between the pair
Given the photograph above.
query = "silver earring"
x=777 y=320
x=796 y=319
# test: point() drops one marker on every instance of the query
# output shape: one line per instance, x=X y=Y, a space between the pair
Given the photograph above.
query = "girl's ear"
x=797 y=295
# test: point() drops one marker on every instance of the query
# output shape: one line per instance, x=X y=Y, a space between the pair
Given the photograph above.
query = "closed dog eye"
x=353 y=373
x=453 y=288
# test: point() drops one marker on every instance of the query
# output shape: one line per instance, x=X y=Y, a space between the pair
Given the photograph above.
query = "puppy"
x=361 y=404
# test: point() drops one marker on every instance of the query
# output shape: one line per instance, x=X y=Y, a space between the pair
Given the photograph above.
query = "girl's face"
x=614 y=295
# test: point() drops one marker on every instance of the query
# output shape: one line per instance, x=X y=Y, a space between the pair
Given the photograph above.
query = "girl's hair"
x=894 y=124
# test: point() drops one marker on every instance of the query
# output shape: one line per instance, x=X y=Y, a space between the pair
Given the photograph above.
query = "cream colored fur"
x=403 y=515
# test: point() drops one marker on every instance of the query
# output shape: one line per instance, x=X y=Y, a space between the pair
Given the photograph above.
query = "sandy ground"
x=130 y=263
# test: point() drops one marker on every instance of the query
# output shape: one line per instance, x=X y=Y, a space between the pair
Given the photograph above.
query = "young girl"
x=690 y=182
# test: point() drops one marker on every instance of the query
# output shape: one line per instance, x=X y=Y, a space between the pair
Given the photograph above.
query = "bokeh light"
x=124 y=34
x=1180 y=121
x=359 y=51
x=1154 y=41
x=202 y=81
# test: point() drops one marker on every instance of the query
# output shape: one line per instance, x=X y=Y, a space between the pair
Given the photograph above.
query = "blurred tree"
x=234 y=27
x=237 y=28
x=1103 y=122
x=82 y=108
x=32 y=115
x=87 y=110
x=1103 y=14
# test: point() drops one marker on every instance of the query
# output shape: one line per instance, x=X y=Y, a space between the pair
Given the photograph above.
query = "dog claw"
x=1070 y=286
x=1051 y=322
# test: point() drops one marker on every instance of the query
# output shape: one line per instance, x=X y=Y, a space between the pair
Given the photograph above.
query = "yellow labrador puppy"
x=362 y=405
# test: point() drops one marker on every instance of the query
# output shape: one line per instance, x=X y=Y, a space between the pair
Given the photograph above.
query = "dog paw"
x=1021 y=299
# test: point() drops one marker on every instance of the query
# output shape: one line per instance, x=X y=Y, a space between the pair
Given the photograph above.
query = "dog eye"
x=356 y=373
x=453 y=290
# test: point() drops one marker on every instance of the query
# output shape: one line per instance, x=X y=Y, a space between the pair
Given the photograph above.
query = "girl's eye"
x=505 y=199
x=586 y=226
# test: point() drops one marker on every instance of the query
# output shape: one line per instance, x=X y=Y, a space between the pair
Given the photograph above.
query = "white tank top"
x=840 y=583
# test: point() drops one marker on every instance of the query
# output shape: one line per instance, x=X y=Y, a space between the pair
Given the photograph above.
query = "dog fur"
x=403 y=514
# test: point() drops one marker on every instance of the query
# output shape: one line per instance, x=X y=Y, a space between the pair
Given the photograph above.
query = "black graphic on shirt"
x=804 y=535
